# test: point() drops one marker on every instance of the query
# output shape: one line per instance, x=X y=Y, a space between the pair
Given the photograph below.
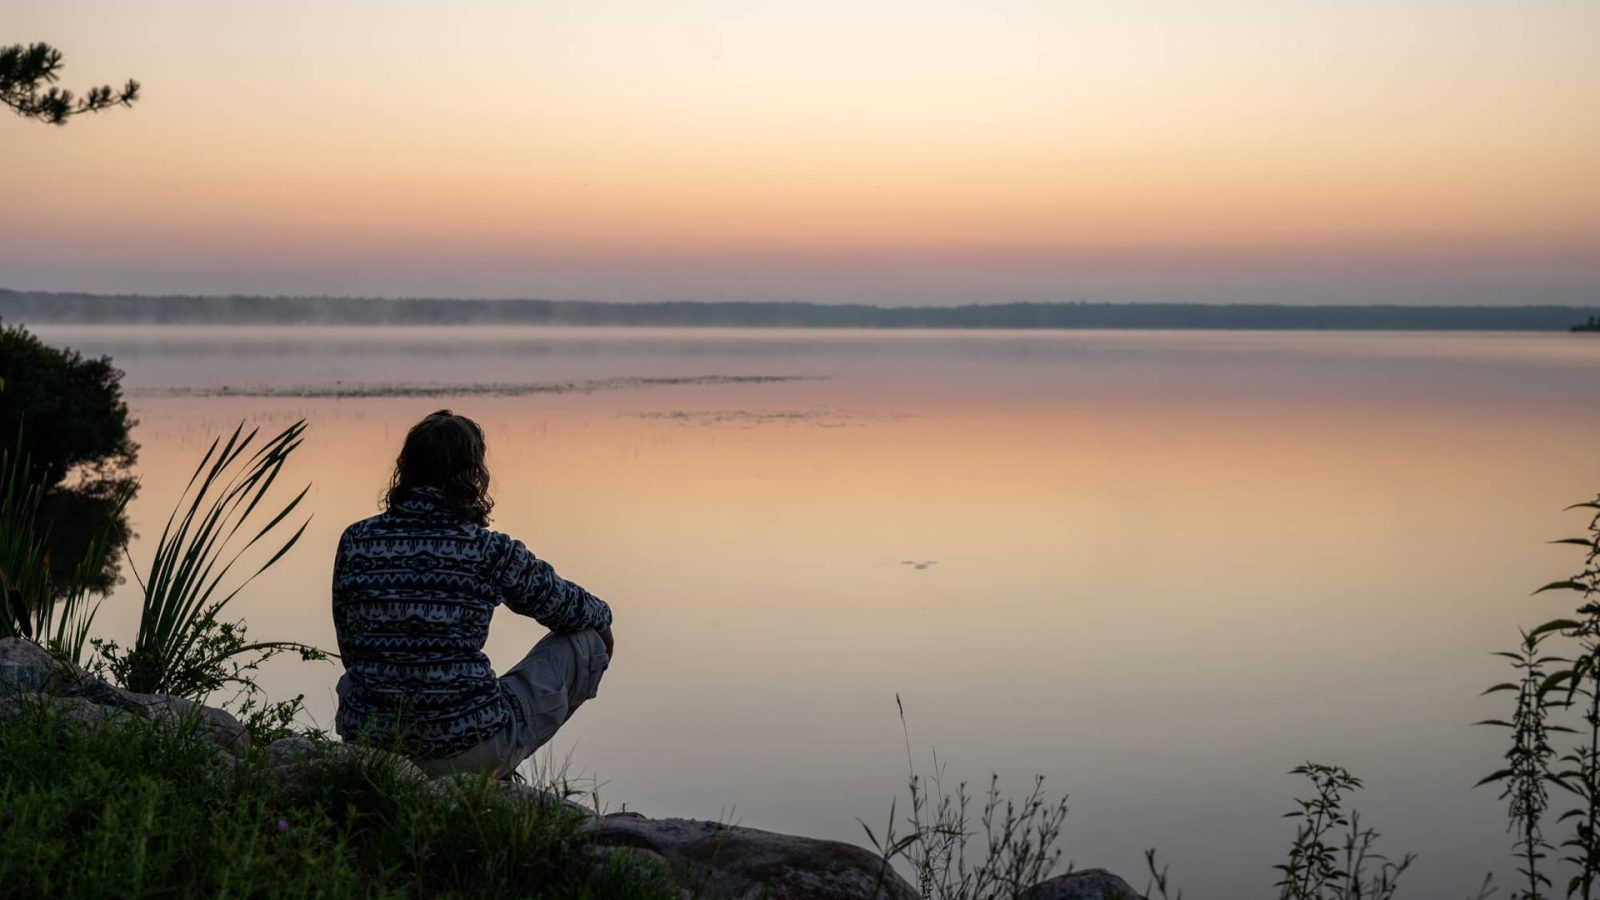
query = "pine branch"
x=28 y=74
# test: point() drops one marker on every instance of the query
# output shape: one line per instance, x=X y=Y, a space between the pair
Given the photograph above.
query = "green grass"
x=135 y=810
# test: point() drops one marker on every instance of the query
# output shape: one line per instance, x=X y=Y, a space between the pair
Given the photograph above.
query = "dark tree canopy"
x=78 y=517
x=68 y=409
x=27 y=85
x=70 y=418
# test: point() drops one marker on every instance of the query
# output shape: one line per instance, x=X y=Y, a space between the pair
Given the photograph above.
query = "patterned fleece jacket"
x=413 y=592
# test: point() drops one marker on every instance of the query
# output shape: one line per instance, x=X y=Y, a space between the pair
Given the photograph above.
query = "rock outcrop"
x=25 y=667
x=30 y=674
x=291 y=753
x=1088 y=884
x=745 y=863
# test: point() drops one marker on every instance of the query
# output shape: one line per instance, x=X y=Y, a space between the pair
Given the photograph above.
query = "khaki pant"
x=551 y=682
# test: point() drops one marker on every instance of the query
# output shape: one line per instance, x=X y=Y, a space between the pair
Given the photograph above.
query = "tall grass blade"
x=183 y=646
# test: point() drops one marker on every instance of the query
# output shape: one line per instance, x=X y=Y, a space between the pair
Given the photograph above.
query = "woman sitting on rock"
x=413 y=591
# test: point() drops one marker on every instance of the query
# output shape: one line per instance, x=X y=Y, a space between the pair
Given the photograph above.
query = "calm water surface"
x=1158 y=568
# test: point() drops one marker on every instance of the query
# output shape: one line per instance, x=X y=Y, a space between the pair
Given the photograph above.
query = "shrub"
x=66 y=414
x=71 y=405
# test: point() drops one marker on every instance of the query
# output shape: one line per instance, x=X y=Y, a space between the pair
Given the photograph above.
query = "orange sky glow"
x=894 y=152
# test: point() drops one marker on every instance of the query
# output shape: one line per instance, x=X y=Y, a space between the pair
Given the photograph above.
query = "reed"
x=57 y=615
x=24 y=570
x=184 y=646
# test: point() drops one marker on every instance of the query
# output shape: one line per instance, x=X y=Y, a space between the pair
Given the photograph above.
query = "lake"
x=1158 y=568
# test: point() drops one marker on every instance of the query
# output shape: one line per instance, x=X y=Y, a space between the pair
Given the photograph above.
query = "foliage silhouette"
x=1019 y=837
x=47 y=600
x=1549 y=686
x=1322 y=865
x=72 y=407
x=184 y=646
x=67 y=414
x=28 y=74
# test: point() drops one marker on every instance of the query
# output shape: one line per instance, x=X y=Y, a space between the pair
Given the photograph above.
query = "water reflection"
x=1158 y=568
x=84 y=515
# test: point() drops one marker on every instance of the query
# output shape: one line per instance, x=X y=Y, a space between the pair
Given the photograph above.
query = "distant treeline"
x=30 y=306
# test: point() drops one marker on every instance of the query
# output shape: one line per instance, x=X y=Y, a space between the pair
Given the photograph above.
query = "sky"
x=895 y=152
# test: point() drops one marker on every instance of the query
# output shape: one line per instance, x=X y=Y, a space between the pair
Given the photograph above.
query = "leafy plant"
x=1019 y=837
x=1322 y=864
x=1527 y=774
x=1579 y=772
x=1549 y=685
x=184 y=646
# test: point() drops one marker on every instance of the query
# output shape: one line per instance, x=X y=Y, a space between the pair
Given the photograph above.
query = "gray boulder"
x=219 y=725
x=296 y=758
x=289 y=750
x=726 y=861
x=547 y=800
x=1088 y=884
x=85 y=712
x=292 y=760
x=466 y=784
x=26 y=667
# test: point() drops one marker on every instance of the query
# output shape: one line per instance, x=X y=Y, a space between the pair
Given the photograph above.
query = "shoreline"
x=61 y=308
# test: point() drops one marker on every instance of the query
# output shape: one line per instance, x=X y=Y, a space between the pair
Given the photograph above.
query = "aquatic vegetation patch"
x=341 y=390
x=822 y=418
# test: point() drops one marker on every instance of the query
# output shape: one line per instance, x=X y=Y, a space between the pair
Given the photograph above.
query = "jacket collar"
x=421 y=500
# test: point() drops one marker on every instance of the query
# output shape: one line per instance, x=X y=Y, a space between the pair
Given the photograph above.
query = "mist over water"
x=1159 y=568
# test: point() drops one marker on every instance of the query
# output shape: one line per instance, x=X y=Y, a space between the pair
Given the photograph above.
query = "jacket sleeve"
x=529 y=586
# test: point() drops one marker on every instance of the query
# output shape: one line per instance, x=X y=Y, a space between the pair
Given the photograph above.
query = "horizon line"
x=821 y=304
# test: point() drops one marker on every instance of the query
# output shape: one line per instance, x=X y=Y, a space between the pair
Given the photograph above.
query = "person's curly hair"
x=445 y=451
